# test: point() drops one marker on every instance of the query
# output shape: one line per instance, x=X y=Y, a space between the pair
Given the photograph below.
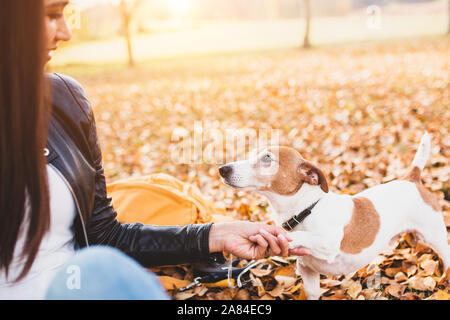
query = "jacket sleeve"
x=150 y=245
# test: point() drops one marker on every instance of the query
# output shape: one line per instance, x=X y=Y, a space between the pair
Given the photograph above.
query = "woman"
x=53 y=197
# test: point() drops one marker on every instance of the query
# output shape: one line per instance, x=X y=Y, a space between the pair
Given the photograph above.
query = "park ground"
x=357 y=109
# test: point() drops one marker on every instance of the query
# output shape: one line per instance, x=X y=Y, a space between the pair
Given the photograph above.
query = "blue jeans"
x=104 y=273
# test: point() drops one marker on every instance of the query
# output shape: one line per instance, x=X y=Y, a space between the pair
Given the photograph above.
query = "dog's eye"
x=267 y=158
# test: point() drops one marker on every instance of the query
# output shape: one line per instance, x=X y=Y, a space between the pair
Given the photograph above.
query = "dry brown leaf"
x=226 y=294
x=411 y=239
x=277 y=291
x=400 y=277
x=409 y=268
x=422 y=284
x=429 y=267
x=443 y=295
x=279 y=259
x=424 y=257
x=301 y=295
x=285 y=282
x=267 y=297
x=391 y=272
x=354 y=289
x=410 y=296
x=288 y=271
x=422 y=247
x=200 y=291
x=297 y=287
x=330 y=282
x=261 y=272
x=259 y=285
x=242 y=294
x=338 y=294
x=170 y=283
x=396 y=290
x=447 y=219
x=185 y=294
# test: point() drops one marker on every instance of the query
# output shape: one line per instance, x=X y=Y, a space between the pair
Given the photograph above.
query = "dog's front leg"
x=322 y=246
x=311 y=281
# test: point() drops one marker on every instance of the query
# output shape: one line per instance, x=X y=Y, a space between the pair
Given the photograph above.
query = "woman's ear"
x=313 y=175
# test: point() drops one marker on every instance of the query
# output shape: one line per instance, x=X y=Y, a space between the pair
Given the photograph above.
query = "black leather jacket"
x=73 y=149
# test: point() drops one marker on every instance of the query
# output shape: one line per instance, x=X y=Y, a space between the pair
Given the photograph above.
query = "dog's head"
x=280 y=170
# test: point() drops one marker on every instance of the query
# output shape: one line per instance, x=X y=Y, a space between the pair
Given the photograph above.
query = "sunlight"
x=91 y=3
x=179 y=6
x=179 y=9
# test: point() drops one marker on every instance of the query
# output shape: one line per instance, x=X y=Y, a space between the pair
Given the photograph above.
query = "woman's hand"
x=250 y=240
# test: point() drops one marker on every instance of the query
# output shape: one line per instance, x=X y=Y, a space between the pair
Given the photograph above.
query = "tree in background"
x=307 y=15
x=128 y=9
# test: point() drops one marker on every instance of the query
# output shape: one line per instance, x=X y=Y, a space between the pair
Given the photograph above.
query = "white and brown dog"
x=343 y=233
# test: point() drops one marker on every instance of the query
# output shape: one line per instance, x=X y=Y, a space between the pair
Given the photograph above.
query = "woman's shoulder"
x=68 y=95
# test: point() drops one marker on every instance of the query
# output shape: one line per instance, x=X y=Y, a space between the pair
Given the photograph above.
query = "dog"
x=343 y=233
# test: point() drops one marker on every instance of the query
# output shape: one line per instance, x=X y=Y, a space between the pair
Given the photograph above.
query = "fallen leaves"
x=359 y=111
x=395 y=290
x=171 y=283
x=442 y=295
x=422 y=284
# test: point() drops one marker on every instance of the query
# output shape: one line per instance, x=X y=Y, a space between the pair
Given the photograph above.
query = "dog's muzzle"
x=225 y=171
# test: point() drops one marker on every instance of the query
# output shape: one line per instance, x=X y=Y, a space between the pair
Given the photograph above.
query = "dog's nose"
x=225 y=170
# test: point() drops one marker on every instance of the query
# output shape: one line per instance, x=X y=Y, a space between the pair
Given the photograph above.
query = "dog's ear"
x=313 y=175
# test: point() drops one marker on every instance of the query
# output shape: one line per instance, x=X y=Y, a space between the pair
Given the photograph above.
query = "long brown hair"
x=23 y=131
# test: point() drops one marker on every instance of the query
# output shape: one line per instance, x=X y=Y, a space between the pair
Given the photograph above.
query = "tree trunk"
x=307 y=9
x=126 y=18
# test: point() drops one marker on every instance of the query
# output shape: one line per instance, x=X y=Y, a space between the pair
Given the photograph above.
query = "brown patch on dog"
x=290 y=177
x=308 y=169
x=430 y=199
x=413 y=175
x=363 y=227
x=287 y=180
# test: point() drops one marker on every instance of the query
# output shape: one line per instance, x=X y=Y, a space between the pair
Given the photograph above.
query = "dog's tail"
x=420 y=159
x=423 y=152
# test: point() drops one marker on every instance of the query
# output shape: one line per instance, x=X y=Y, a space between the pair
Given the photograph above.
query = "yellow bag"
x=161 y=199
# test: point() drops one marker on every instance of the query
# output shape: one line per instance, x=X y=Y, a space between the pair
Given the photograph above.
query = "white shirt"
x=56 y=248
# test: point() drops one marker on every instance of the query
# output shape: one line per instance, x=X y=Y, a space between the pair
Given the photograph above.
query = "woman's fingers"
x=276 y=241
x=284 y=245
x=278 y=238
x=272 y=241
x=276 y=231
x=259 y=239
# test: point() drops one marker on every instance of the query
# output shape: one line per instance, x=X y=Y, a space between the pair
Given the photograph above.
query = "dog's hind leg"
x=311 y=281
x=434 y=233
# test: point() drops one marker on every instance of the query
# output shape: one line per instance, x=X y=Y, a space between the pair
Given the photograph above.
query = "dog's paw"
x=294 y=245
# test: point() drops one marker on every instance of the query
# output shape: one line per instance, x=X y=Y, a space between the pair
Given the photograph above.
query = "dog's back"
x=383 y=212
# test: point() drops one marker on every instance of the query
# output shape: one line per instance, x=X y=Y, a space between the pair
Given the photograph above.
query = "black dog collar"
x=296 y=220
